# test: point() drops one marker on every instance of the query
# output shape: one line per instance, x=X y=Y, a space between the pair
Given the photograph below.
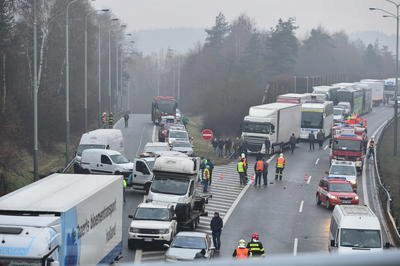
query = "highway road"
x=284 y=214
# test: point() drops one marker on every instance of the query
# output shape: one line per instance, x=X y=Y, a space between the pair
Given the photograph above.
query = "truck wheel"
x=131 y=244
x=318 y=200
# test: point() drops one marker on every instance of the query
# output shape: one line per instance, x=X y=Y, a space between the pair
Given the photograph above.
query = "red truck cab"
x=333 y=192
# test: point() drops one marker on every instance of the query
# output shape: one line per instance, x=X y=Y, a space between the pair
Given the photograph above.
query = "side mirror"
x=174 y=218
x=387 y=245
x=130 y=216
x=333 y=244
x=166 y=245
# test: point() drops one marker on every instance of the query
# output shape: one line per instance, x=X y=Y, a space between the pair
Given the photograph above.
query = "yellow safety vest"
x=240 y=167
x=206 y=174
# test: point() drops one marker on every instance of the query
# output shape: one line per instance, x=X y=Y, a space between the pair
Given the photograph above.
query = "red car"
x=332 y=192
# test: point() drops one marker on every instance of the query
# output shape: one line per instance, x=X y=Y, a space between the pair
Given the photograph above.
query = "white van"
x=354 y=228
x=100 y=139
x=96 y=161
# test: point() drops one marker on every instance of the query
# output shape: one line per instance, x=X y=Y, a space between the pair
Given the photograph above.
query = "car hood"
x=182 y=149
x=347 y=177
x=148 y=224
x=182 y=253
x=344 y=194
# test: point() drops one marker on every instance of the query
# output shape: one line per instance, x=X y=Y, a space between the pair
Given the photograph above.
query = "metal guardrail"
x=384 y=194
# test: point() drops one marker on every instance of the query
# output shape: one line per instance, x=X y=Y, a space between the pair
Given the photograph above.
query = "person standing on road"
x=255 y=246
x=267 y=144
x=228 y=147
x=126 y=118
x=240 y=167
x=371 y=148
x=214 y=143
x=124 y=188
x=210 y=167
x=216 y=226
x=236 y=145
x=110 y=120
x=258 y=170
x=311 y=139
x=292 y=142
x=241 y=252
x=320 y=138
x=104 y=119
x=206 y=177
x=280 y=165
x=265 y=172
x=221 y=144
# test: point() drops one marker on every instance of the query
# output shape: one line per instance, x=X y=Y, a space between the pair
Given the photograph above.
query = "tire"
x=131 y=244
x=318 y=199
x=117 y=173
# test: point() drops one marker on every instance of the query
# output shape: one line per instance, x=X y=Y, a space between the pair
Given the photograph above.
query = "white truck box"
x=376 y=86
x=67 y=219
x=280 y=121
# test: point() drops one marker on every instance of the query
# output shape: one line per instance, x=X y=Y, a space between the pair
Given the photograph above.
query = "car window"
x=105 y=159
x=191 y=189
x=142 y=168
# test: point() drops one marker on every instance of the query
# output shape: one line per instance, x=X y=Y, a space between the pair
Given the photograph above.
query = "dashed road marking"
x=153 y=136
x=316 y=162
x=326 y=147
x=309 y=180
x=295 y=244
x=301 y=206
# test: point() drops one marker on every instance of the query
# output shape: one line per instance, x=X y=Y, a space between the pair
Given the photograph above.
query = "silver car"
x=188 y=246
x=183 y=146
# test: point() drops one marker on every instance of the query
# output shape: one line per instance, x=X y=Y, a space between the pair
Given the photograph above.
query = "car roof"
x=156 y=144
x=336 y=180
x=190 y=233
x=154 y=205
x=348 y=163
x=103 y=151
x=178 y=130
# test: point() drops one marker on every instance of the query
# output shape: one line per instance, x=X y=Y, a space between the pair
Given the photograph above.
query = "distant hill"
x=180 y=40
x=371 y=36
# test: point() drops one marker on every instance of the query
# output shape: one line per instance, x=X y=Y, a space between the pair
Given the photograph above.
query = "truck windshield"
x=16 y=261
x=340 y=187
x=83 y=147
x=190 y=242
x=342 y=170
x=338 y=111
x=167 y=185
x=261 y=128
x=312 y=120
x=156 y=214
x=347 y=145
x=167 y=107
x=360 y=238
x=119 y=159
x=156 y=148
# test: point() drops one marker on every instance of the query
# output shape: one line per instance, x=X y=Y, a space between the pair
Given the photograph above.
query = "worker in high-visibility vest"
x=241 y=252
x=255 y=246
x=206 y=178
x=258 y=170
x=280 y=165
x=241 y=169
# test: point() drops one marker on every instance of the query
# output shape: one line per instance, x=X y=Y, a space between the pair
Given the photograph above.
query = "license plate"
x=146 y=239
x=346 y=201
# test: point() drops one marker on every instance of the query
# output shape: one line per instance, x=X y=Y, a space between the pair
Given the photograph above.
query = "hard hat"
x=255 y=236
x=242 y=243
x=243 y=155
x=281 y=155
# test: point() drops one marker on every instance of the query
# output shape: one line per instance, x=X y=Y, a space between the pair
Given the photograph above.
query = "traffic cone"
x=221 y=176
x=252 y=179
x=306 y=177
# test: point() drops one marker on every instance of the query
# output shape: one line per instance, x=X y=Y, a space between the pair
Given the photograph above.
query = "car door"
x=142 y=173
x=105 y=166
x=210 y=247
x=323 y=185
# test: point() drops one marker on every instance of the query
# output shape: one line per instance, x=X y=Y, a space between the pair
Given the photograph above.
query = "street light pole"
x=67 y=82
x=35 y=98
x=99 y=76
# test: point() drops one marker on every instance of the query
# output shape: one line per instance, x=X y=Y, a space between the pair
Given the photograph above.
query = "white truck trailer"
x=63 y=219
x=376 y=86
x=277 y=121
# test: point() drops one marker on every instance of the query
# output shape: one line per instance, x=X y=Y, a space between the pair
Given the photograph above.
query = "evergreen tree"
x=218 y=32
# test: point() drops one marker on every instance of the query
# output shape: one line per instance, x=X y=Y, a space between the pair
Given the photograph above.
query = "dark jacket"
x=216 y=224
x=210 y=164
x=292 y=140
x=320 y=136
x=267 y=143
x=256 y=248
x=311 y=136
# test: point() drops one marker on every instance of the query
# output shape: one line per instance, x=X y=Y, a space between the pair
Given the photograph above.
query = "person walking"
x=110 y=120
x=214 y=143
x=258 y=170
x=205 y=178
x=267 y=144
x=216 y=226
x=221 y=144
x=255 y=246
x=311 y=139
x=280 y=165
x=228 y=147
x=320 y=138
x=241 y=251
x=240 y=167
x=126 y=118
x=292 y=142
x=203 y=164
x=265 y=172
x=210 y=168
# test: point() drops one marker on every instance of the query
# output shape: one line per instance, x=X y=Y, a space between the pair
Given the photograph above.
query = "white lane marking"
x=316 y=162
x=309 y=180
x=140 y=142
x=296 y=242
x=239 y=197
x=138 y=256
x=301 y=206
x=326 y=147
x=153 y=136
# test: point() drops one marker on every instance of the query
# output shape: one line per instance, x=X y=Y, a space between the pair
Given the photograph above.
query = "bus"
x=163 y=106
x=316 y=116
x=329 y=91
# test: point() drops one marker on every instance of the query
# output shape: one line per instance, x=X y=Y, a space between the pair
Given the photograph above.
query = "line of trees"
x=16 y=71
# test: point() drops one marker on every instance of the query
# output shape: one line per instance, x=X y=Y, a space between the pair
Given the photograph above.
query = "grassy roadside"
x=202 y=148
x=389 y=168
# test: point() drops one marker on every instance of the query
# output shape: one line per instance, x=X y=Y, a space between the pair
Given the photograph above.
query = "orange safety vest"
x=280 y=163
x=242 y=253
x=259 y=166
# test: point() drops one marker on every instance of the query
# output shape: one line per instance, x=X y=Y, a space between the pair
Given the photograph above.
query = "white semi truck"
x=277 y=121
x=63 y=219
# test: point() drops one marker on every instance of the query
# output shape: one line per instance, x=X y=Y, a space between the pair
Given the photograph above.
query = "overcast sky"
x=348 y=15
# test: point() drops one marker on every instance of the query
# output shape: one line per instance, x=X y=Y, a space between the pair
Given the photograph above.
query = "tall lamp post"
x=395 y=16
x=86 y=65
x=109 y=67
x=35 y=99
x=67 y=81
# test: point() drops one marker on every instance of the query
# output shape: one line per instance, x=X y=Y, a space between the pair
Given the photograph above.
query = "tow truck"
x=346 y=145
x=174 y=183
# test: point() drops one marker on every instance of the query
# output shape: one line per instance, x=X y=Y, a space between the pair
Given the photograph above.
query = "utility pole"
x=295 y=84
x=179 y=81
x=35 y=98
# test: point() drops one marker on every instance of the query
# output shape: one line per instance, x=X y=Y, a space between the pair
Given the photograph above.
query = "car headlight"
x=353 y=182
x=163 y=231
x=356 y=197
x=133 y=230
x=171 y=258
x=331 y=196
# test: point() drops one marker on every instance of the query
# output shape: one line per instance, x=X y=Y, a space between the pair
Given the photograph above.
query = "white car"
x=338 y=114
x=345 y=170
x=155 y=147
x=177 y=135
x=183 y=146
x=152 y=223
x=190 y=246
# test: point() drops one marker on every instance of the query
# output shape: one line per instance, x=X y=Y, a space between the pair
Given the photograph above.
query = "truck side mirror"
x=387 y=245
x=130 y=216
x=333 y=244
